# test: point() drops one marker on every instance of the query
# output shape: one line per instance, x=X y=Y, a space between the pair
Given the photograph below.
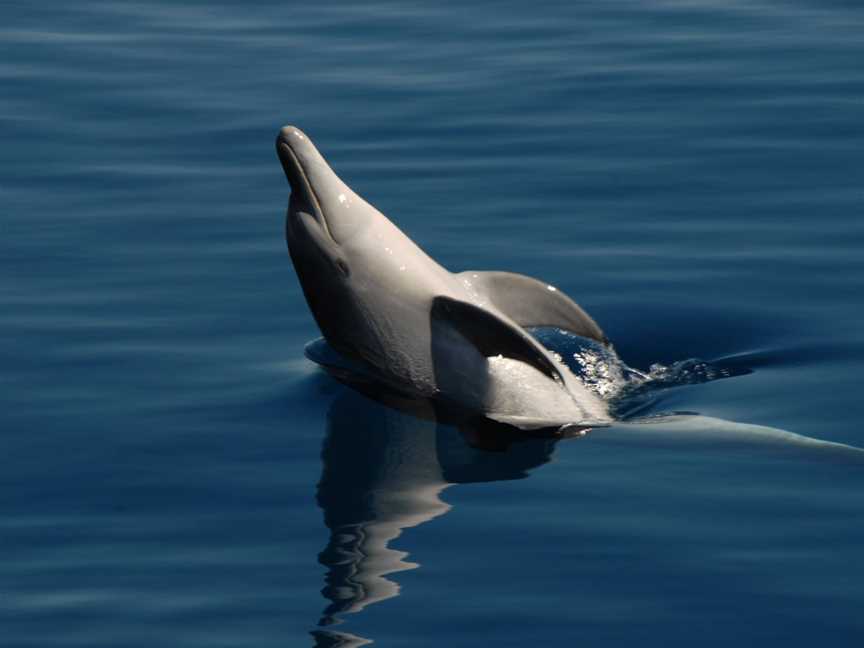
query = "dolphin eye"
x=343 y=268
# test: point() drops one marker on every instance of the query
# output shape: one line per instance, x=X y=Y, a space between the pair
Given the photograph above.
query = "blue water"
x=175 y=473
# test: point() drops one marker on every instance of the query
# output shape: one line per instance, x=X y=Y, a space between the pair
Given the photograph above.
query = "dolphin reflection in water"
x=386 y=465
x=384 y=471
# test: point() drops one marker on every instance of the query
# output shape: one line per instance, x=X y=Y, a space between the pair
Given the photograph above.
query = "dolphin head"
x=320 y=201
x=316 y=228
x=359 y=272
x=334 y=238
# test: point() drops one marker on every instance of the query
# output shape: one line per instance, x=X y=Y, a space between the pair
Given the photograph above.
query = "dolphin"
x=395 y=317
x=418 y=328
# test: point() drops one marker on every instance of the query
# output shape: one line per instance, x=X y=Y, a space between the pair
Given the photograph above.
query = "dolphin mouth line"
x=299 y=175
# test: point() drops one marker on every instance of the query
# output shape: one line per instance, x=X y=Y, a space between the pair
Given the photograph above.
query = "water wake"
x=629 y=392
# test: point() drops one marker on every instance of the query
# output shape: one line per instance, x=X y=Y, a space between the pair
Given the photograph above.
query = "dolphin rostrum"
x=458 y=338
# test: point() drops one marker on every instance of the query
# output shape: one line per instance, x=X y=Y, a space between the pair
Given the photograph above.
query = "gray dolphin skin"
x=459 y=338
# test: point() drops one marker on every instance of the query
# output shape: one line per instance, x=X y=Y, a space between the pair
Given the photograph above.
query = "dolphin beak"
x=315 y=188
x=288 y=142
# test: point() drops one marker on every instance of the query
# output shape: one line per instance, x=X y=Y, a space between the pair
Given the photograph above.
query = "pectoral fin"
x=530 y=302
x=493 y=335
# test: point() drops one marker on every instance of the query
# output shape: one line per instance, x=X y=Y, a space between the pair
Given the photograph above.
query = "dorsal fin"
x=530 y=302
x=493 y=335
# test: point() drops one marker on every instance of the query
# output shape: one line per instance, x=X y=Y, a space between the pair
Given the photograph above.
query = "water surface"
x=174 y=471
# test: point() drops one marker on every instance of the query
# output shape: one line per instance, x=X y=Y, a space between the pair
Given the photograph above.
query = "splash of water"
x=624 y=388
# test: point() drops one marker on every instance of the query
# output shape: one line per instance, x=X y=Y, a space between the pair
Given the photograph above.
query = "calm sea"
x=173 y=472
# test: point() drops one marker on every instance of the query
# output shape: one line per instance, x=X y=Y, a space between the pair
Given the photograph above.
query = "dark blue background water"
x=690 y=172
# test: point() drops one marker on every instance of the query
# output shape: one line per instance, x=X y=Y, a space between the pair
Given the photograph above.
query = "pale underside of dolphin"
x=458 y=337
